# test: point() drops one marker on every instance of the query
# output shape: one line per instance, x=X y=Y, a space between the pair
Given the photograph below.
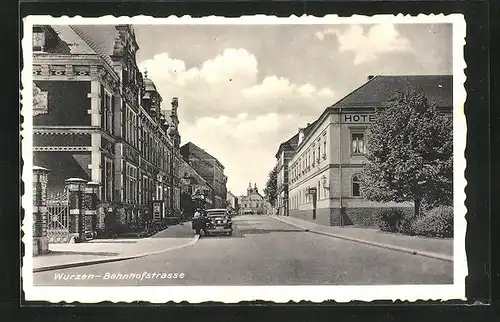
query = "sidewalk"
x=430 y=247
x=109 y=250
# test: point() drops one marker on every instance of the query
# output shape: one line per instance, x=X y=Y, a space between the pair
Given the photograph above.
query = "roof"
x=76 y=44
x=293 y=142
x=101 y=38
x=190 y=147
x=149 y=85
x=381 y=89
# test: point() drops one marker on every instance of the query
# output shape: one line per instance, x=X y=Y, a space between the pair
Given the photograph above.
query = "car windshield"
x=216 y=214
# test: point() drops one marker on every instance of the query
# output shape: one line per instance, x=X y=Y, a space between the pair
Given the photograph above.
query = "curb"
x=371 y=243
x=112 y=259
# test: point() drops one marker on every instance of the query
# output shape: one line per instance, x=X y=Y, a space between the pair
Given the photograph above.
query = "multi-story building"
x=285 y=153
x=210 y=169
x=232 y=201
x=324 y=173
x=96 y=118
x=195 y=190
x=253 y=202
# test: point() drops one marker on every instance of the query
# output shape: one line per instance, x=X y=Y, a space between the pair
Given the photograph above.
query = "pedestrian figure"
x=197 y=221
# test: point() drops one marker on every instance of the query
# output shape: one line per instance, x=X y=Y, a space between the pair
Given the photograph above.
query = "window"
x=109 y=118
x=319 y=150
x=357 y=143
x=107 y=113
x=324 y=150
x=356 y=185
x=131 y=184
x=108 y=180
x=314 y=157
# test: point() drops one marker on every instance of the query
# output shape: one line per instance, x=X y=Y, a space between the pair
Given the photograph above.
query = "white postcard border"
x=235 y=294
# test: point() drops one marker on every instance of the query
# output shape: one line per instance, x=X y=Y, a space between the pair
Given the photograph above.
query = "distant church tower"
x=249 y=189
x=255 y=188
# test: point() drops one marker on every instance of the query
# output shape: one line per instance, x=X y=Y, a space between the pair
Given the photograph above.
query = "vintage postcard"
x=241 y=159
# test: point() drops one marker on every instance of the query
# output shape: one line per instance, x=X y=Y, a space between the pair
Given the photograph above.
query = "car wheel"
x=230 y=233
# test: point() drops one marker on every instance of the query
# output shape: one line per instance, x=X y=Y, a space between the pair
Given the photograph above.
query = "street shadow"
x=57 y=253
x=253 y=231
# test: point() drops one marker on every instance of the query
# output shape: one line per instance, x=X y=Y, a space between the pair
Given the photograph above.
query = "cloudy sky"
x=244 y=89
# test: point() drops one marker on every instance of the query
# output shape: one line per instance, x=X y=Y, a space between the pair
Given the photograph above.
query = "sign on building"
x=358 y=118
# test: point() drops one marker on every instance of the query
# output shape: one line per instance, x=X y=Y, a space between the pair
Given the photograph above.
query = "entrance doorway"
x=314 y=204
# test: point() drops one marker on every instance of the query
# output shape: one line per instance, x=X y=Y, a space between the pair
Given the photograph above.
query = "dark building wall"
x=61 y=140
x=63 y=165
x=203 y=164
x=359 y=216
x=322 y=215
x=67 y=103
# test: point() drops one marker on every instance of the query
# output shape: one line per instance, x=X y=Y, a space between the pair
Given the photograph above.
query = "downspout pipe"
x=340 y=166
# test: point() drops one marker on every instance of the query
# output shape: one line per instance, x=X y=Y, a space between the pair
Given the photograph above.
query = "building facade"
x=96 y=118
x=253 y=202
x=324 y=173
x=232 y=201
x=210 y=169
x=195 y=190
x=285 y=153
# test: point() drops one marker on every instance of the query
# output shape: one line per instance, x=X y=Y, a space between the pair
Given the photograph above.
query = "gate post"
x=91 y=192
x=40 y=239
x=76 y=191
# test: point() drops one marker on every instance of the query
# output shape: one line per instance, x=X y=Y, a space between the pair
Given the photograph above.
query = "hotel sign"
x=358 y=118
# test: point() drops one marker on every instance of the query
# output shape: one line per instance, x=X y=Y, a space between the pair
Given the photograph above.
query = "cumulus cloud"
x=246 y=145
x=228 y=84
x=367 y=46
x=226 y=110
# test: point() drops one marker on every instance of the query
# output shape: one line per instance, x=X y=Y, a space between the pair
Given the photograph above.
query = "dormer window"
x=38 y=39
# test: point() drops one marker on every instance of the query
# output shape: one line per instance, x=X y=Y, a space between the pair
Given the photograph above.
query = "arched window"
x=356 y=185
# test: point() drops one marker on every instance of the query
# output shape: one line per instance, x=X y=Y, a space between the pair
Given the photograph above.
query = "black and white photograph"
x=239 y=159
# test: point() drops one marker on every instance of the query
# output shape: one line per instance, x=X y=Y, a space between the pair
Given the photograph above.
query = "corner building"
x=96 y=117
x=324 y=173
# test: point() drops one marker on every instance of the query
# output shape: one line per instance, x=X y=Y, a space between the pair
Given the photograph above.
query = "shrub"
x=438 y=222
x=405 y=225
x=395 y=220
x=388 y=219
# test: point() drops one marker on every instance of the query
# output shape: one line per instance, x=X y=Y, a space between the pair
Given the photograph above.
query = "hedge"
x=437 y=222
x=395 y=220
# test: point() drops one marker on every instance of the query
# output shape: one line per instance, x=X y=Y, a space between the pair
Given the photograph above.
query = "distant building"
x=325 y=170
x=253 y=202
x=210 y=169
x=195 y=190
x=285 y=153
x=232 y=201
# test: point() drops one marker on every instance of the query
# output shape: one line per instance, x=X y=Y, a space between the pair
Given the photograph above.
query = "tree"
x=410 y=154
x=271 y=189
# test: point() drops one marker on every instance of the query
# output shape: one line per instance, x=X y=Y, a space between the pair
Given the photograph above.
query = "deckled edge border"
x=236 y=294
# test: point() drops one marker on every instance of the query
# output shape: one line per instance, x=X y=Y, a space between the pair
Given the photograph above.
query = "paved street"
x=262 y=251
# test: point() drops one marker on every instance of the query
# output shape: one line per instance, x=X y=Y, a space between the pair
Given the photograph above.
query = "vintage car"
x=218 y=222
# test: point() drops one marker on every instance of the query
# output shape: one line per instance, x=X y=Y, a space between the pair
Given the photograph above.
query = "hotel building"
x=324 y=172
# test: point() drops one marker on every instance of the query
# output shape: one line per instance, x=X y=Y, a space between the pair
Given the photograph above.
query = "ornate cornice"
x=72 y=130
x=68 y=70
x=62 y=148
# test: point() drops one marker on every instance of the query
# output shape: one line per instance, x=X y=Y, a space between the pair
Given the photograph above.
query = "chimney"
x=370 y=77
x=308 y=124
x=301 y=135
